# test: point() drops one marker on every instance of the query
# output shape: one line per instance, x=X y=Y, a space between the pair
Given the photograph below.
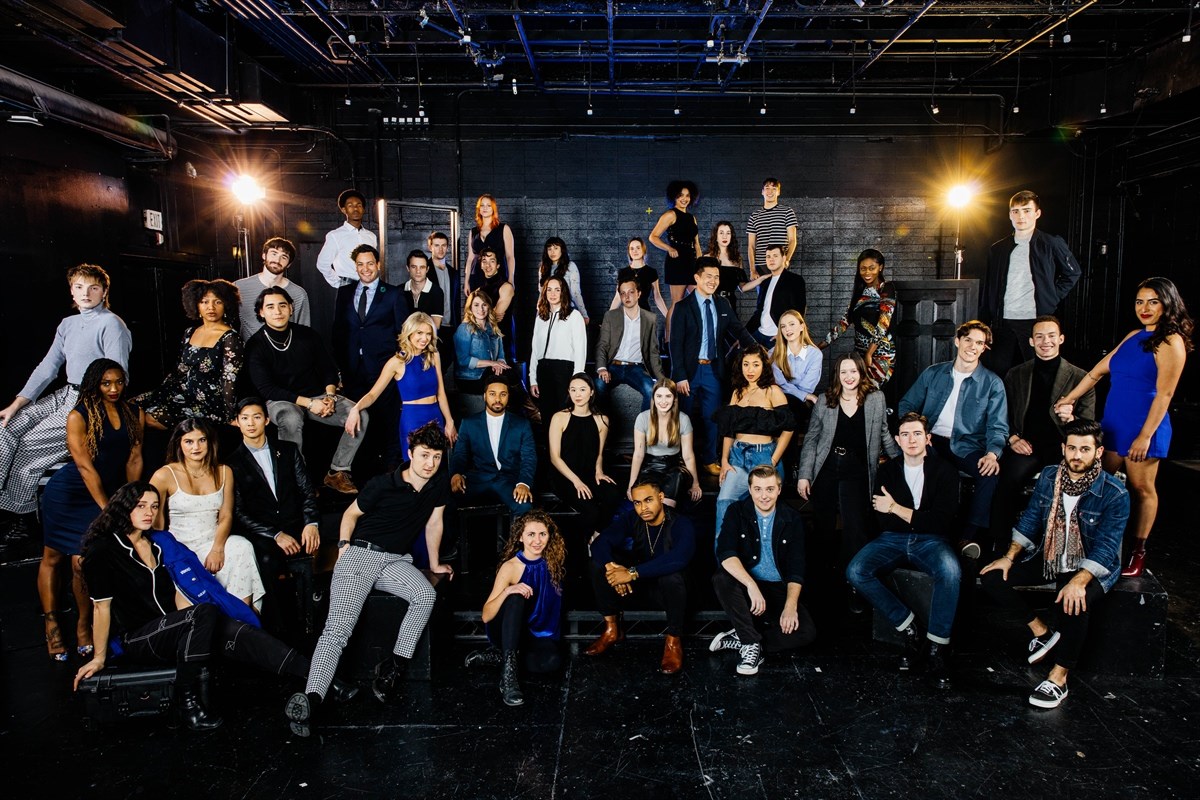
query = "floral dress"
x=202 y=383
x=871 y=316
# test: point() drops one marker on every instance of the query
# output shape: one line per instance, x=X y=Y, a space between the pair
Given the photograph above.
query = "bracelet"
x=893 y=505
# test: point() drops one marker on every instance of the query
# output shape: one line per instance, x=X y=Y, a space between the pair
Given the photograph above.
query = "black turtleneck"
x=1038 y=427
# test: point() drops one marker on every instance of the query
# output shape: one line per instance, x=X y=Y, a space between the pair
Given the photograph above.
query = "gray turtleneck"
x=80 y=340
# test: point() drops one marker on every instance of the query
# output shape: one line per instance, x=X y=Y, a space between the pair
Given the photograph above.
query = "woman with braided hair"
x=104 y=438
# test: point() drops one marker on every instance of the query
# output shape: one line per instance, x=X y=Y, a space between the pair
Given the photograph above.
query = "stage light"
x=247 y=190
x=710 y=44
x=589 y=111
x=677 y=111
x=1103 y=108
x=514 y=85
x=1016 y=109
x=853 y=109
x=763 y=110
x=960 y=195
x=934 y=108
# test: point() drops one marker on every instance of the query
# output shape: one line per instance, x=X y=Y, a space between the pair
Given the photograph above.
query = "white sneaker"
x=752 y=657
x=726 y=640
x=1048 y=694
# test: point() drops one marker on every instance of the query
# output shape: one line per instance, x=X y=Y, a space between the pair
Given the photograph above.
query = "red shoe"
x=1137 y=561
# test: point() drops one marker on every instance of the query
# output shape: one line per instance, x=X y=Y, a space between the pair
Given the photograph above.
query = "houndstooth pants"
x=34 y=440
x=357 y=572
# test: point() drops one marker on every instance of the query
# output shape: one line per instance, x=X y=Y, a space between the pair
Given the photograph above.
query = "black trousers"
x=1016 y=471
x=595 y=512
x=668 y=592
x=190 y=638
x=850 y=497
x=765 y=628
x=509 y=631
x=1010 y=345
x=1073 y=628
x=554 y=378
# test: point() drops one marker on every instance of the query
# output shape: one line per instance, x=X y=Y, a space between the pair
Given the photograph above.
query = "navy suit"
x=704 y=380
x=473 y=458
x=362 y=347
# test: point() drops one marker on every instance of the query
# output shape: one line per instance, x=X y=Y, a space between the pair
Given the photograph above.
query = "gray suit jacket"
x=1018 y=383
x=818 y=442
x=611 y=330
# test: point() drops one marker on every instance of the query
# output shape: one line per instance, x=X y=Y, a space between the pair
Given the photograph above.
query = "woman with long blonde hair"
x=796 y=365
x=662 y=446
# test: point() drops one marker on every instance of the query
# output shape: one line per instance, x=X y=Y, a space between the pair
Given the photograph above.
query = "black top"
x=283 y=369
x=1038 y=428
x=727 y=286
x=114 y=572
x=851 y=431
x=645 y=276
x=394 y=513
x=431 y=302
x=732 y=420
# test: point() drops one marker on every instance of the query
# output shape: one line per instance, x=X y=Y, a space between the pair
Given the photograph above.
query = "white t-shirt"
x=1069 y=504
x=915 y=478
x=944 y=426
x=494 y=425
x=766 y=325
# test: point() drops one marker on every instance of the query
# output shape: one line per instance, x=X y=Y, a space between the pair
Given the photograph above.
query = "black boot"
x=301 y=709
x=340 y=692
x=912 y=647
x=194 y=714
x=510 y=685
x=386 y=682
x=936 y=665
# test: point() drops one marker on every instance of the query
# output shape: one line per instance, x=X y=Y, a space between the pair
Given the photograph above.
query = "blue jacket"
x=678 y=544
x=687 y=330
x=196 y=583
x=471 y=347
x=472 y=452
x=981 y=418
x=1103 y=511
x=362 y=347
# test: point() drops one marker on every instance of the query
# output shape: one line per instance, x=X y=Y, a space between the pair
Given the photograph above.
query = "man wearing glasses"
x=966 y=403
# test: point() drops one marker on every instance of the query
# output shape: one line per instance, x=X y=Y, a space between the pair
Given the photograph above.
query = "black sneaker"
x=487 y=657
x=752 y=658
x=726 y=640
x=1048 y=694
x=971 y=550
x=935 y=665
x=1039 y=646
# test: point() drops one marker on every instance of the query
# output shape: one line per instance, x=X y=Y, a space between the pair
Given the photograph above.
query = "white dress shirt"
x=334 y=262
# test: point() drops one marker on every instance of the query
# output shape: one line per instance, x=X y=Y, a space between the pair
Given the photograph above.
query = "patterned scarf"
x=1062 y=535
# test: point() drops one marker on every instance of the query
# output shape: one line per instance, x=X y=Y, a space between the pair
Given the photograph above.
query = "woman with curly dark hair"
x=104 y=437
x=756 y=427
x=678 y=234
x=872 y=304
x=1145 y=370
x=154 y=603
x=524 y=610
x=210 y=358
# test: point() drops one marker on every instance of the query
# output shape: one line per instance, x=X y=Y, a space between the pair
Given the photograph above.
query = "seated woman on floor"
x=524 y=610
x=153 y=603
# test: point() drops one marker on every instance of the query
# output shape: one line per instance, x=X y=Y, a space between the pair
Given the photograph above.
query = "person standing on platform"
x=1074 y=521
x=489 y=233
x=336 y=260
x=872 y=304
x=277 y=255
x=1028 y=274
x=772 y=224
x=678 y=234
x=33 y=428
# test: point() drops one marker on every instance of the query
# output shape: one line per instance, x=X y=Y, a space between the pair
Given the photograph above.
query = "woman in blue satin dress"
x=1145 y=369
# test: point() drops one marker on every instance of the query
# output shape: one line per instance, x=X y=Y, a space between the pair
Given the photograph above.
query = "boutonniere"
x=382 y=288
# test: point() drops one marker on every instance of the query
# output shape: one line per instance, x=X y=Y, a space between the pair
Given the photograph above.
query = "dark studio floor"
x=834 y=721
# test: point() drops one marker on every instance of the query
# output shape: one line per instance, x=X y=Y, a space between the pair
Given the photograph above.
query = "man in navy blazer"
x=782 y=290
x=699 y=325
x=366 y=321
x=494 y=457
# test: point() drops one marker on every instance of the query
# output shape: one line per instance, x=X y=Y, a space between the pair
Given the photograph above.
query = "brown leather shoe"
x=340 y=482
x=712 y=469
x=612 y=634
x=672 y=660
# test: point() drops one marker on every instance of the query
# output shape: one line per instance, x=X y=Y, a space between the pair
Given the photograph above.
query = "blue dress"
x=1134 y=386
x=545 y=607
x=68 y=507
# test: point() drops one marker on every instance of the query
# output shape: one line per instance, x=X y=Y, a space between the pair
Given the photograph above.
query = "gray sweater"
x=80 y=340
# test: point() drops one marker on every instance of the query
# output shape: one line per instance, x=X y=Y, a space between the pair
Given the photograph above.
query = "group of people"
x=174 y=568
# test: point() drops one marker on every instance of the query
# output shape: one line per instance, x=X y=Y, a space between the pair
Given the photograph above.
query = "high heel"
x=1137 y=561
x=54 y=640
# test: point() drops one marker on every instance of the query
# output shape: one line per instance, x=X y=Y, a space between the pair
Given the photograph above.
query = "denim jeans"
x=743 y=457
x=926 y=552
x=634 y=375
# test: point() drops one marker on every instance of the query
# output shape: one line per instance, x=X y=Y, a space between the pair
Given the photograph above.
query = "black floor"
x=834 y=721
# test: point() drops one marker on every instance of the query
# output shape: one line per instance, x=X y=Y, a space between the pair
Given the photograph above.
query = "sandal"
x=54 y=640
x=84 y=650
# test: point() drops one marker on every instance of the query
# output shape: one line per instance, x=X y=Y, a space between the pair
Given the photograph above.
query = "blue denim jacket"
x=981 y=418
x=471 y=347
x=1103 y=511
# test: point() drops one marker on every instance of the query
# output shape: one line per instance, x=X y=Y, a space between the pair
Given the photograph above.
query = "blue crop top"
x=417 y=383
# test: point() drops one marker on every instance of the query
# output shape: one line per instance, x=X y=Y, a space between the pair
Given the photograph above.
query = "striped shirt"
x=770 y=226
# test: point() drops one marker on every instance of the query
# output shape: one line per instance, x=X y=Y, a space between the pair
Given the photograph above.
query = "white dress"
x=194 y=525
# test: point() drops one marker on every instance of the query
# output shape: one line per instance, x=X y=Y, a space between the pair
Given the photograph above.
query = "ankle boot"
x=1137 y=560
x=612 y=634
x=195 y=716
x=672 y=657
x=386 y=680
x=510 y=684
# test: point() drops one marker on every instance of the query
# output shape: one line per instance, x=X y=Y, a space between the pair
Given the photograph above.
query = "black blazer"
x=256 y=509
x=740 y=537
x=687 y=328
x=790 y=293
x=939 y=497
x=362 y=347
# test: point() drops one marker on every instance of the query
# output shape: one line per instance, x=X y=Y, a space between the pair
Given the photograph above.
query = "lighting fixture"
x=677 y=111
x=934 y=108
x=853 y=110
x=247 y=189
x=860 y=3
x=589 y=111
x=710 y=44
x=1017 y=95
x=346 y=100
x=514 y=85
x=1103 y=108
x=763 y=110
x=960 y=195
x=1187 y=31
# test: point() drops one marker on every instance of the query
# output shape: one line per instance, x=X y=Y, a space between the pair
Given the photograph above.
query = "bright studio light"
x=960 y=196
x=246 y=190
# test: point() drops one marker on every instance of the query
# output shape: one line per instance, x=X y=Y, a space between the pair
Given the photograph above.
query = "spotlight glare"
x=247 y=190
x=960 y=195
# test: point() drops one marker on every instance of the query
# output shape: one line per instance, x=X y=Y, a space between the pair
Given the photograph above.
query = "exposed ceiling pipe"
x=612 y=61
x=63 y=107
x=533 y=67
x=895 y=38
x=335 y=27
x=1044 y=31
x=762 y=14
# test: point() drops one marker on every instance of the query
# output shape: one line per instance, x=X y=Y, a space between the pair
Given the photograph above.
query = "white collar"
x=424 y=289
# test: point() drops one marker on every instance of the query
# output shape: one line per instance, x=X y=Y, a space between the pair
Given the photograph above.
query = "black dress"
x=681 y=235
x=580 y=447
x=493 y=241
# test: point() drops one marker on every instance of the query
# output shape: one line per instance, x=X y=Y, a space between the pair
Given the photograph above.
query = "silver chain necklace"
x=286 y=342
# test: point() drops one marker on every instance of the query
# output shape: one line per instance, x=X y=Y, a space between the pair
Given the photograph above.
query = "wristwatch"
x=343 y=543
x=633 y=574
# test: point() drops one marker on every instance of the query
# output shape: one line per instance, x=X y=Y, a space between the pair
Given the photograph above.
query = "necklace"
x=654 y=542
x=286 y=342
